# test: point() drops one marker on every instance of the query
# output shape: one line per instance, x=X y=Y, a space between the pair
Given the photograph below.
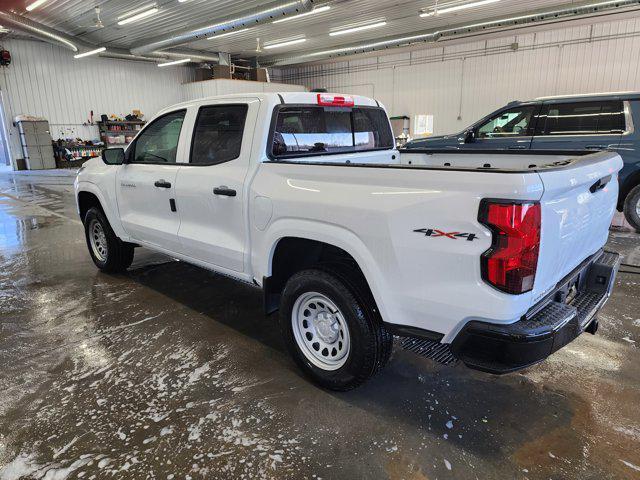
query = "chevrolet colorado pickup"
x=491 y=258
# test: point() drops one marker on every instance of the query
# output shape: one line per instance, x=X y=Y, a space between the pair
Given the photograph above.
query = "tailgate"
x=578 y=204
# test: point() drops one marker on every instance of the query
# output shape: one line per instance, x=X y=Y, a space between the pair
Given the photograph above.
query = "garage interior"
x=171 y=371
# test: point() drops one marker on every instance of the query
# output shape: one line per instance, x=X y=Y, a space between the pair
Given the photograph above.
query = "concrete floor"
x=173 y=372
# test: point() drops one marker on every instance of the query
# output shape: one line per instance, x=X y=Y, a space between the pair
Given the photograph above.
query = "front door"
x=510 y=129
x=210 y=190
x=146 y=183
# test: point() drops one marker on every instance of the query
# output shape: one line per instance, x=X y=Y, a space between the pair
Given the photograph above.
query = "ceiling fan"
x=97 y=21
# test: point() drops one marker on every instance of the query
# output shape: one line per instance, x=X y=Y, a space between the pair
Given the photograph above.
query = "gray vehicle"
x=579 y=122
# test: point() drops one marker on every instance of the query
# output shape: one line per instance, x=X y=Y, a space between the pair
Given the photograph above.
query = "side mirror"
x=113 y=156
x=470 y=136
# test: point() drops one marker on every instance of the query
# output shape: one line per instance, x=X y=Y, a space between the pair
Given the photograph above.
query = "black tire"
x=370 y=343
x=118 y=255
x=632 y=207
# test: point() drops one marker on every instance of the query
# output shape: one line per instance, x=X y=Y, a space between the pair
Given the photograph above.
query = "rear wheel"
x=331 y=334
x=108 y=252
x=632 y=208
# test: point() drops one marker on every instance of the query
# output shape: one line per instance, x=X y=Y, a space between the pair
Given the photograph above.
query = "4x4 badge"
x=434 y=232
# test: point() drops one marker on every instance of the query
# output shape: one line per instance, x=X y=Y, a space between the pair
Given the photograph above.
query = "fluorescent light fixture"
x=284 y=44
x=358 y=29
x=138 y=16
x=455 y=8
x=174 y=62
x=214 y=37
x=90 y=52
x=312 y=12
x=34 y=5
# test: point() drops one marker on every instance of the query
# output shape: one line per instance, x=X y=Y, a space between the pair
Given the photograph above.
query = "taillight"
x=511 y=262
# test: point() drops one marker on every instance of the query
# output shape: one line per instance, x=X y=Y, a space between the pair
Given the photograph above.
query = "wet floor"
x=172 y=372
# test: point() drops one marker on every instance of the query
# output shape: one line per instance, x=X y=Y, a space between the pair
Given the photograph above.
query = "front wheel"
x=632 y=208
x=332 y=336
x=108 y=252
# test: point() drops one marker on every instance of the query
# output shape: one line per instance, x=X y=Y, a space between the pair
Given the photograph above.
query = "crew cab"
x=604 y=121
x=494 y=259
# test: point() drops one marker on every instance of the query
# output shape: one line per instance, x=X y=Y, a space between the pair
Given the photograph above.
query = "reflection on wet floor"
x=171 y=371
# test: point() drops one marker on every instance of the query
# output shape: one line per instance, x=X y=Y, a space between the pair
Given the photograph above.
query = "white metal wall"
x=46 y=81
x=459 y=84
x=211 y=88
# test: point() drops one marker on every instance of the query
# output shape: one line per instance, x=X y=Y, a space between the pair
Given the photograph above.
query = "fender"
x=107 y=206
x=337 y=236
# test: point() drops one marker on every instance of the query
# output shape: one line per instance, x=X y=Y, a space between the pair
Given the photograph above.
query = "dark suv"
x=580 y=122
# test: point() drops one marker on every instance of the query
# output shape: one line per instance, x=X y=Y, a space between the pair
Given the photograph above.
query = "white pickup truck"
x=494 y=259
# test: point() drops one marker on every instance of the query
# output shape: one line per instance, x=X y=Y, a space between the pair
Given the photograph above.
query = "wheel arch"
x=89 y=195
x=290 y=252
x=87 y=200
x=629 y=184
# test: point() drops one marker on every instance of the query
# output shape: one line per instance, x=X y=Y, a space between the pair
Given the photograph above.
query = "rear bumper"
x=547 y=327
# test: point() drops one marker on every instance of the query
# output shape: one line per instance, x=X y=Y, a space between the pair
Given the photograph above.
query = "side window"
x=583 y=118
x=611 y=119
x=509 y=123
x=159 y=141
x=217 y=136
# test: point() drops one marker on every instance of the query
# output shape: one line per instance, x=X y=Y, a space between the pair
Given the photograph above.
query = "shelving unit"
x=119 y=133
x=85 y=151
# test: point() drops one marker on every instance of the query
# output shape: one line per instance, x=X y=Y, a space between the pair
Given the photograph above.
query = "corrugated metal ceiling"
x=77 y=17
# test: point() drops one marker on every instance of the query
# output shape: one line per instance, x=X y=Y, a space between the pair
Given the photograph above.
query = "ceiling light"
x=284 y=44
x=455 y=8
x=214 y=37
x=90 y=52
x=312 y=12
x=358 y=29
x=175 y=62
x=35 y=5
x=138 y=16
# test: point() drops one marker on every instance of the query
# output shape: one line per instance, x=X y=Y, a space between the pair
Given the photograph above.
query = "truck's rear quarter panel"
x=429 y=282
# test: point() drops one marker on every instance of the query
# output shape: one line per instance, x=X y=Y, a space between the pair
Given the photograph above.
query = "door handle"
x=517 y=147
x=600 y=184
x=162 y=184
x=596 y=147
x=224 y=190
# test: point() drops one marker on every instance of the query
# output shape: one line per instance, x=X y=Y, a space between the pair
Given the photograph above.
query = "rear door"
x=580 y=125
x=210 y=193
x=511 y=129
x=146 y=183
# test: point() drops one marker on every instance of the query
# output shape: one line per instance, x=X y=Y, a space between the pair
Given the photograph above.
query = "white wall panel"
x=210 y=88
x=46 y=81
x=460 y=83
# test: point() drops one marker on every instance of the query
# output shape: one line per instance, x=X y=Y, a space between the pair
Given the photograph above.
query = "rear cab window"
x=308 y=130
